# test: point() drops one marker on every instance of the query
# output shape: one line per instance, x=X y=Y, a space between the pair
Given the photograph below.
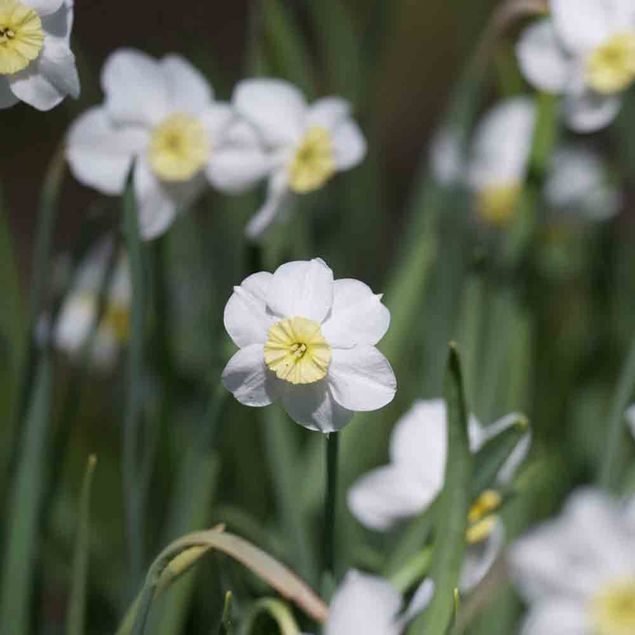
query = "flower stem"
x=330 y=502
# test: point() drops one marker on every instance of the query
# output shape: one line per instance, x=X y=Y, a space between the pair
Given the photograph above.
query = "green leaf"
x=277 y=610
x=453 y=507
x=22 y=537
x=77 y=601
x=227 y=622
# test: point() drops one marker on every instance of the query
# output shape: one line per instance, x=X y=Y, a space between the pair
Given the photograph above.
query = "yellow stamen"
x=611 y=67
x=495 y=205
x=21 y=36
x=314 y=162
x=480 y=517
x=296 y=351
x=179 y=148
x=613 y=609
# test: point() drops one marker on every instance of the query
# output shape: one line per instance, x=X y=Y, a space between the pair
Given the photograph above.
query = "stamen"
x=611 y=67
x=314 y=162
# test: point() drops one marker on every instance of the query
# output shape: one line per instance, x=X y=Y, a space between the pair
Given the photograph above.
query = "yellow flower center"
x=296 y=351
x=496 y=204
x=179 y=148
x=21 y=36
x=481 y=519
x=613 y=609
x=611 y=66
x=314 y=162
x=117 y=320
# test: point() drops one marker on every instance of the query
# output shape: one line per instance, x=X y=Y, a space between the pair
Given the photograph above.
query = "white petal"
x=420 y=601
x=247 y=377
x=622 y=15
x=135 y=87
x=48 y=80
x=219 y=119
x=278 y=195
x=479 y=558
x=44 y=7
x=361 y=378
x=349 y=145
x=246 y=318
x=589 y=112
x=313 y=406
x=159 y=203
x=387 y=495
x=581 y=24
x=357 y=315
x=100 y=154
x=303 y=288
x=419 y=441
x=275 y=107
x=502 y=143
x=630 y=418
x=7 y=98
x=364 y=604
x=543 y=61
x=446 y=157
x=187 y=89
x=328 y=112
x=60 y=23
x=559 y=616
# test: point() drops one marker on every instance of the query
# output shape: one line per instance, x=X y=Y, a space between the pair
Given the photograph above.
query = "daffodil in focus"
x=161 y=115
x=308 y=144
x=309 y=341
x=79 y=310
x=577 y=572
x=37 y=65
x=415 y=475
x=585 y=50
x=370 y=605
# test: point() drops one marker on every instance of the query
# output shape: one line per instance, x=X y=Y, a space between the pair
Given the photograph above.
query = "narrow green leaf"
x=452 y=508
x=227 y=623
x=413 y=571
x=22 y=538
x=277 y=610
x=77 y=601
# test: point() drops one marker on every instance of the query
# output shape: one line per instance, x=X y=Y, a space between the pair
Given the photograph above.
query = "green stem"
x=330 y=502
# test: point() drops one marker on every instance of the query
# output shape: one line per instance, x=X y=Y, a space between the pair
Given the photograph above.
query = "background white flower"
x=308 y=144
x=630 y=419
x=37 y=65
x=79 y=310
x=309 y=341
x=586 y=51
x=415 y=475
x=578 y=571
x=162 y=115
x=370 y=605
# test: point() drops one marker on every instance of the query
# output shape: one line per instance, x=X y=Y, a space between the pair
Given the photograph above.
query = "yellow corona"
x=21 y=36
x=314 y=162
x=611 y=67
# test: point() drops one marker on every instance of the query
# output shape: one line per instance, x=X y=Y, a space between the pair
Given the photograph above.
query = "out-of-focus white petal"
x=581 y=24
x=277 y=196
x=99 y=153
x=349 y=145
x=364 y=604
x=7 y=98
x=361 y=378
x=446 y=157
x=387 y=495
x=630 y=419
x=187 y=89
x=560 y=616
x=587 y=111
x=502 y=143
x=302 y=288
x=357 y=315
x=480 y=557
x=419 y=602
x=246 y=318
x=328 y=112
x=48 y=80
x=542 y=59
x=44 y=7
x=578 y=185
x=135 y=88
x=621 y=15
x=277 y=109
x=313 y=406
x=248 y=379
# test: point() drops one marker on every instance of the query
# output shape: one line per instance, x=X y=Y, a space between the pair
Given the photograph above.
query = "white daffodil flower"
x=586 y=51
x=308 y=144
x=79 y=309
x=577 y=572
x=370 y=605
x=309 y=341
x=37 y=65
x=415 y=475
x=577 y=184
x=161 y=114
